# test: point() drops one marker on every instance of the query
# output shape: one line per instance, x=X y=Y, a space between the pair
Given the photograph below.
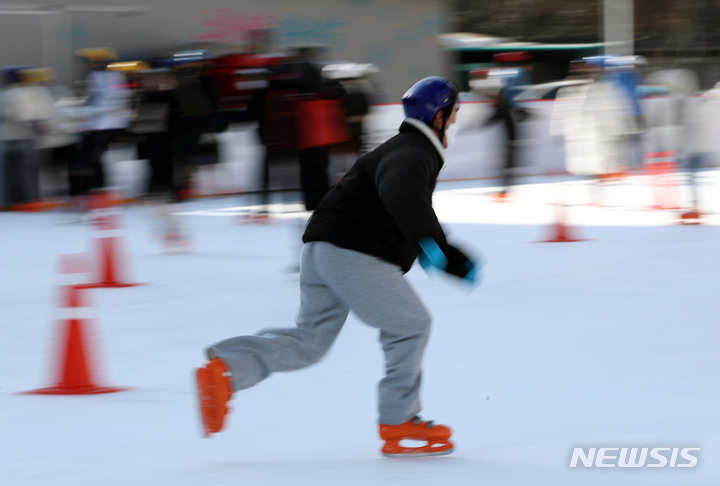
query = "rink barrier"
x=51 y=206
x=36 y=206
x=75 y=369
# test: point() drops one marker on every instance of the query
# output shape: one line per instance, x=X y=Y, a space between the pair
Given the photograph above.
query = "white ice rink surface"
x=609 y=342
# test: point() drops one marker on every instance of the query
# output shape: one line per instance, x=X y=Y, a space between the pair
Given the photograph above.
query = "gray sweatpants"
x=334 y=281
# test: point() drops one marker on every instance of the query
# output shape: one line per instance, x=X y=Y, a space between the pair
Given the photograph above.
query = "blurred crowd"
x=612 y=114
x=171 y=106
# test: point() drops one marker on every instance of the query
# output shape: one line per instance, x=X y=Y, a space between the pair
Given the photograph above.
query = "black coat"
x=383 y=205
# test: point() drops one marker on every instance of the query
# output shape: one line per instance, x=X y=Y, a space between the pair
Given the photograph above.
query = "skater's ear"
x=437 y=121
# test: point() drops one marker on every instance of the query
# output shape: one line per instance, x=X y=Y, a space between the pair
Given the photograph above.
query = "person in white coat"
x=593 y=119
x=24 y=105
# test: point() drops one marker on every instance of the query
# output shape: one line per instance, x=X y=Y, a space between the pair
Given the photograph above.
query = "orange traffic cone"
x=690 y=217
x=499 y=197
x=660 y=166
x=561 y=231
x=75 y=371
x=106 y=221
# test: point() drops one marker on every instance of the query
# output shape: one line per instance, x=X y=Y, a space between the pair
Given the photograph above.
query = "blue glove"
x=431 y=257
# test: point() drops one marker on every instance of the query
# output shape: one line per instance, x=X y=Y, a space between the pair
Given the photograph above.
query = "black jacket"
x=383 y=205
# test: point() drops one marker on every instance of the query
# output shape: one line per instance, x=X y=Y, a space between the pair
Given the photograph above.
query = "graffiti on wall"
x=73 y=34
x=224 y=24
x=397 y=37
x=324 y=30
x=379 y=55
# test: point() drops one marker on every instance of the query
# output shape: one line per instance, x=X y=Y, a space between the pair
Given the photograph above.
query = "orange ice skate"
x=214 y=386
x=437 y=437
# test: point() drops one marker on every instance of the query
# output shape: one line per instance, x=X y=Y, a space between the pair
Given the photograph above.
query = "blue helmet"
x=428 y=96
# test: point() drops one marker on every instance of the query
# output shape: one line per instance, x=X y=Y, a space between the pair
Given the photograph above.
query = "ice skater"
x=361 y=240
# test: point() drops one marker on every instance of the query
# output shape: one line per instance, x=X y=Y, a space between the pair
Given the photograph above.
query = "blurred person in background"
x=355 y=82
x=195 y=118
x=593 y=120
x=154 y=100
x=107 y=115
x=301 y=115
x=357 y=106
x=270 y=106
x=25 y=103
x=670 y=116
x=273 y=107
x=321 y=124
x=704 y=144
x=497 y=86
x=60 y=133
x=153 y=103
x=364 y=235
x=625 y=71
x=521 y=63
x=674 y=120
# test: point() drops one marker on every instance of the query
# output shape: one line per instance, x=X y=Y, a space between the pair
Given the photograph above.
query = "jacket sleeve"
x=404 y=181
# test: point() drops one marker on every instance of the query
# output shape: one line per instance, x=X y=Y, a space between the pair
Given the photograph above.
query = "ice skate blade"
x=437 y=447
x=419 y=454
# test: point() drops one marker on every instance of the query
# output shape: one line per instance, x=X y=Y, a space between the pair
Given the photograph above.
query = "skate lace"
x=428 y=423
